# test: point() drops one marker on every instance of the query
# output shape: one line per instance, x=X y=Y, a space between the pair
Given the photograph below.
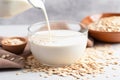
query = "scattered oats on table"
x=3 y=56
x=12 y=59
x=93 y=63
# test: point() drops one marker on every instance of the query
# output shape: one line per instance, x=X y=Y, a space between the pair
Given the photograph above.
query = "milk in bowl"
x=63 y=46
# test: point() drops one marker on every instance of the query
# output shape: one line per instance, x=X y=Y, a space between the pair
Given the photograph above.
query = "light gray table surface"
x=21 y=30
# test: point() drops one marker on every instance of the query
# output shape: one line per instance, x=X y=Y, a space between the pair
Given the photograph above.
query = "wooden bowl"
x=14 y=48
x=112 y=37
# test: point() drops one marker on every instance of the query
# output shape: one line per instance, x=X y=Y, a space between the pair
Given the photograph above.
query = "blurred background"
x=63 y=10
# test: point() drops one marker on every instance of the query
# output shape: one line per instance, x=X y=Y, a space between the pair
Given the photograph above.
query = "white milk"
x=39 y=4
x=65 y=48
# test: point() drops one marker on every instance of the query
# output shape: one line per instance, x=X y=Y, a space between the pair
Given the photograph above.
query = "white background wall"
x=65 y=9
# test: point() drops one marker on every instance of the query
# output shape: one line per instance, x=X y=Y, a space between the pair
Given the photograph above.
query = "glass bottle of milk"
x=10 y=8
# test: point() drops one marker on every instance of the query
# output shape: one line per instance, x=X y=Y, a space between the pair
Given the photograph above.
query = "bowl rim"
x=53 y=21
x=103 y=31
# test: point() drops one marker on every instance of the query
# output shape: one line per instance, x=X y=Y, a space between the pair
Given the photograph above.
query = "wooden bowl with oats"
x=14 y=44
x=104 y=27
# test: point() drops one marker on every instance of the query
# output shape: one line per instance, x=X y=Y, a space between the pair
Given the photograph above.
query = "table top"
x=21 y=30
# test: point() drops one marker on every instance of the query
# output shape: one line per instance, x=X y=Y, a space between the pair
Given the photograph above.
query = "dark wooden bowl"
x=18 y=48
x=112 y=37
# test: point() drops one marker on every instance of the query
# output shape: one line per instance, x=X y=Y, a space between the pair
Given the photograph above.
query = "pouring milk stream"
x=40 y=5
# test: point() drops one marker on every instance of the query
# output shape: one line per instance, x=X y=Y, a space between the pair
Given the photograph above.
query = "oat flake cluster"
x=93 y=63
x=107 y=24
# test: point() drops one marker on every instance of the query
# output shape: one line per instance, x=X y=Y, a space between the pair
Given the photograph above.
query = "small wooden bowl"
x=112 y=37
x=16 y=48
